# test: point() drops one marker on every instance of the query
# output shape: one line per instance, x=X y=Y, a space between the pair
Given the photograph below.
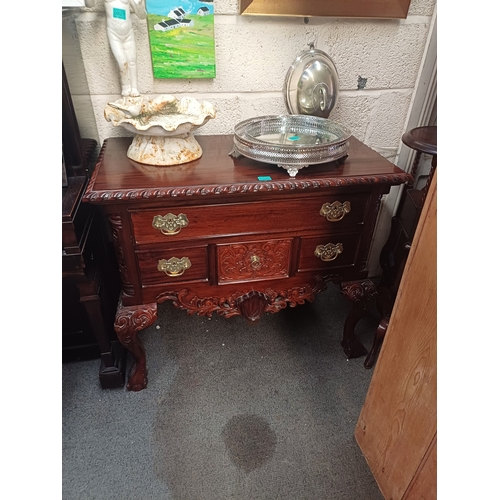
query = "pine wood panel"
x=398 y=421
x=424 y=483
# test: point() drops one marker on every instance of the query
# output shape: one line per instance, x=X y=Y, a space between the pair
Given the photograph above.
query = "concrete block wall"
x=377 y=60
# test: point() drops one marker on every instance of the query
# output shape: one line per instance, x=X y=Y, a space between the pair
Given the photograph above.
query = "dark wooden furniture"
x=90 y=281
x=233 y=236
x=394 y=254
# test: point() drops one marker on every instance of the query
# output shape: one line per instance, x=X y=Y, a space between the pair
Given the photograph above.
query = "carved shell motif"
x=164 y=115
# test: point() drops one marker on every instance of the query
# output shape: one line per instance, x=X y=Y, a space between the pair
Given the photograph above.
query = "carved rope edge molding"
x=214 y=190
x=291 y=184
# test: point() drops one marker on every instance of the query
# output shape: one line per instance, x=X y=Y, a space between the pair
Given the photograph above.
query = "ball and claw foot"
x=138 y=379
x=352 y=347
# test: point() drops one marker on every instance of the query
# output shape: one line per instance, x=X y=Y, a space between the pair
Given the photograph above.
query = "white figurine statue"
x=163 y=126
x=122 y=40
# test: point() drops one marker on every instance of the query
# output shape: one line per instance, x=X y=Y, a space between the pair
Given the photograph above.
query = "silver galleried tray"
x=291 y=141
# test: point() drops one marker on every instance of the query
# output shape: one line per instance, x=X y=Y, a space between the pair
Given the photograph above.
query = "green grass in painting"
x=183 y=52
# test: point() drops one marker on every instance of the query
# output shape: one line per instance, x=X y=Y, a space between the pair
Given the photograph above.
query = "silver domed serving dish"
x=291 y=141
x=312 y=84
x=307 y=136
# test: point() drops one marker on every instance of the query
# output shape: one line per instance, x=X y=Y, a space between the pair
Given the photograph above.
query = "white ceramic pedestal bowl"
x=162 y=127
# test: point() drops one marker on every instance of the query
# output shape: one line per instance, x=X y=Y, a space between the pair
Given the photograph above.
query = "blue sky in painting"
x=163 y=7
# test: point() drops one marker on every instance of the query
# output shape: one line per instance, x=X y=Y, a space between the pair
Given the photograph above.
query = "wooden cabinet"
x=397 y=427
x=90 y=281
x=213 y=238
x=90 y=288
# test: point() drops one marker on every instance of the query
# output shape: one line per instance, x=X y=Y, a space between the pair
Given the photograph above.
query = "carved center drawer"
x=294 y=214
x=252 y=261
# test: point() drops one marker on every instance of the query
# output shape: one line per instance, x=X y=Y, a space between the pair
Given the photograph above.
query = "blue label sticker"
x=119 y=13
x=264 y=178
x=294 y=138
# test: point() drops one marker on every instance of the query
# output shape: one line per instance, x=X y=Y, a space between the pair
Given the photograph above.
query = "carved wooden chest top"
x=233 y=236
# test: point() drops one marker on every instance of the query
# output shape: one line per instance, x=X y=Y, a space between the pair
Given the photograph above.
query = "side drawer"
x=253 y=261
x=273 y=216
x=329 y=251
x=173 y=265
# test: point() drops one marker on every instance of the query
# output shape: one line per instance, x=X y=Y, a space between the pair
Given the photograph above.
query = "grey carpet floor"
x=233 y=410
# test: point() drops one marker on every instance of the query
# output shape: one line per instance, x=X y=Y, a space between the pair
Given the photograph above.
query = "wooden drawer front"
x=256 y=260
x=176 y=264
x=342 y=249
x=293 y=214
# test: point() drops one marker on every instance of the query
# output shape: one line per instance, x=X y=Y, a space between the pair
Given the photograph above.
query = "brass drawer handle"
x=170 y=224
x=174 y=266
x=335 y=211
x=328 y=252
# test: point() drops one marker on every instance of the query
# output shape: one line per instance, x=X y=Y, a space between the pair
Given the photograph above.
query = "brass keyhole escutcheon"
x=335 y=211
x=255 y=261
x=329 y=252
x=174 y=266
x=170 y=224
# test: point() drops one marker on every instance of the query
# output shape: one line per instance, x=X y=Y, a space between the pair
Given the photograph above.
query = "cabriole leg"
x=358 y=292
x=129 y=320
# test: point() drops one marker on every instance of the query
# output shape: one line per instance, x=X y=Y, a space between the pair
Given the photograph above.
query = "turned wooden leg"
x=129 y=320
x=387 y=253
x=377 y=342
x=358 y=292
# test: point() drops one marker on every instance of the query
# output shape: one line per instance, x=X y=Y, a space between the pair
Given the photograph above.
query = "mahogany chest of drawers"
x=233 y=236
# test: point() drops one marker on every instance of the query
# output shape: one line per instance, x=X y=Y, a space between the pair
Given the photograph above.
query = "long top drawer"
x=192 y=222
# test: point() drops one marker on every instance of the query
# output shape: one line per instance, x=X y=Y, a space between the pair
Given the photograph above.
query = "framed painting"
x=397 y=9
x=181 y=38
